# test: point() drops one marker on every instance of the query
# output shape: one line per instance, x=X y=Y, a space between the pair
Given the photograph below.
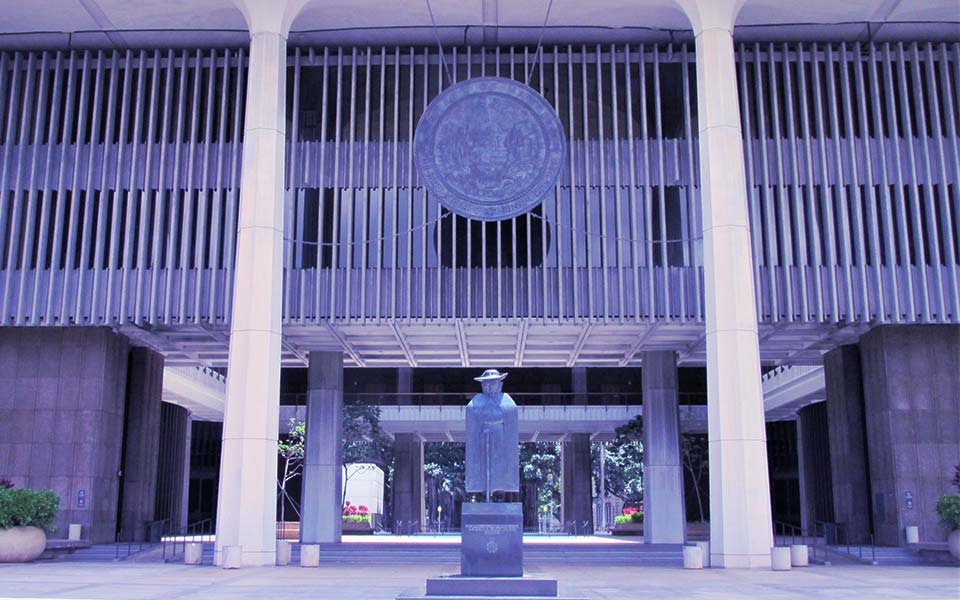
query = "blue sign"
x=489 y=148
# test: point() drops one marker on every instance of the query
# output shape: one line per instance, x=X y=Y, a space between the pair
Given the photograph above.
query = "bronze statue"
x=493 y=439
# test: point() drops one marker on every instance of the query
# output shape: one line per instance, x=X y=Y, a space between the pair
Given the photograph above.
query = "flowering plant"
x=631 y=514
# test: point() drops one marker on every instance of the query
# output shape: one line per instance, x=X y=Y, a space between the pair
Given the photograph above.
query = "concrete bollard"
x=799 y=556
x=309 y=555
x=232 y=557
x=704 y=552
x=692 y=557
x=75 y=530
x=780 y=558
x=193 y=553
x=284 y=551
x=913 y=534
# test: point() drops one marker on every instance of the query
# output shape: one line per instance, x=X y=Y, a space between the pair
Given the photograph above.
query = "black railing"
x=837 y=538
x=185 y=535
x=790 y=535
x=126 y=546
x=521 y=398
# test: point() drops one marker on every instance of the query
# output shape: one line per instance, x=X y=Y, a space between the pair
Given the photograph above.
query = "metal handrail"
x=840 y=533
x=131 y=543
x=192 y=530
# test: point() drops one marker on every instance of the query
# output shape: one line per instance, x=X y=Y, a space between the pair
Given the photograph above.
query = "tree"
x=291 y=450
x=624 y=463
x=694 y=454
x=540 y=465
x=364 y=441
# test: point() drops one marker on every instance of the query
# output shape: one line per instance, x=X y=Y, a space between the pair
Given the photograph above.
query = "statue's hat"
x=490 y=374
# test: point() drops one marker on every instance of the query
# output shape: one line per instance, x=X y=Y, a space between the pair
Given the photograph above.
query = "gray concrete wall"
x=142 y=444
x=848 y=458
x=911 y=388
x=577 y=492
x=61 y=416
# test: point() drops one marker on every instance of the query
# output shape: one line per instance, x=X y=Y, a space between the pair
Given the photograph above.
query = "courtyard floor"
x=135 y=581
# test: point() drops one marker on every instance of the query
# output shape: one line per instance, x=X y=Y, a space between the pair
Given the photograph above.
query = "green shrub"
x=622 y=519
x=637 y=517
x=21 y=507
x=948 y=508
x=356 y=519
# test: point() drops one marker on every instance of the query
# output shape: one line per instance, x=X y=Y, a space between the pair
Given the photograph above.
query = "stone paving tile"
x=129 y=581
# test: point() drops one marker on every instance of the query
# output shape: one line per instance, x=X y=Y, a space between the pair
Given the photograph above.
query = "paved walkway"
x=131 y=581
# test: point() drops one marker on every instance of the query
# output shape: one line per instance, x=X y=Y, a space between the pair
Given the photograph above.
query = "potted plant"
x=948 y=509
x=356 y=519
x=25 y=516
x=628 y=523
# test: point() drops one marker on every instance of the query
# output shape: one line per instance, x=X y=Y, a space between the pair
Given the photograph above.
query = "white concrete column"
x=664 y=519
x=247 y=501
x=322 y=497
x=740 y=523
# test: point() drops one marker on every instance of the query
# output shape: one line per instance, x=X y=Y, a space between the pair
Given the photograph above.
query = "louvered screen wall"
x=852 y=167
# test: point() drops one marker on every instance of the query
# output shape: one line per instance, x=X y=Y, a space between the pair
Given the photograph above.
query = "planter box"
x=627 y=529
x=354 y=528
x=21 y=544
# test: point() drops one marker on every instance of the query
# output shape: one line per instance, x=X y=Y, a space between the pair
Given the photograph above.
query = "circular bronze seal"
x=489 y=148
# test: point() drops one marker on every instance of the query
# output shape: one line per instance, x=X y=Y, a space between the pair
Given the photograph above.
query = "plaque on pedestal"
x=492 y=539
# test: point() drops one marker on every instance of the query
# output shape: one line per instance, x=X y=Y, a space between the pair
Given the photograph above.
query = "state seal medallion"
x=489 y=148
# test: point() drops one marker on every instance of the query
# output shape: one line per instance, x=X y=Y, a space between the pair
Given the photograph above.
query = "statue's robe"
x=492 y=420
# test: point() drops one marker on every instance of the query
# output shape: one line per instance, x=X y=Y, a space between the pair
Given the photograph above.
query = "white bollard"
x=284 y=552
x=704 y=552
x=913 y=534
x=780 y=558
x=193 y=553
x=309 y=555
x=799 y=556
x=692 y=557
x=232 y=557
x=74 y=532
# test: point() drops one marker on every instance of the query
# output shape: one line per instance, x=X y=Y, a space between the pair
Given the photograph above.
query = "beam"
x=632 y=352
x=347 y=346
x=521 y=344
x=403 y=344
x=580 y=342
x=462 y=343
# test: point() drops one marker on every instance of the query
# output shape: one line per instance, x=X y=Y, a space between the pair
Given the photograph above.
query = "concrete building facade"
x=742 y=190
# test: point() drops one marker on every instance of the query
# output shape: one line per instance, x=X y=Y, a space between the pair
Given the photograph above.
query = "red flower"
x=363 y=509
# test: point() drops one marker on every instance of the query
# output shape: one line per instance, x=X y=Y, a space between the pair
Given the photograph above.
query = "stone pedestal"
x=492 y=540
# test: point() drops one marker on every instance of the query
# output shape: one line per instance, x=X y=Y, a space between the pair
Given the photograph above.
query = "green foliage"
x=632 y=518
x=694 y=454
x=22 y=507
x=445 y=463
x=948 y=509
x=540 y=465
x=956 y=477
x=364 y=441
x=357 y=519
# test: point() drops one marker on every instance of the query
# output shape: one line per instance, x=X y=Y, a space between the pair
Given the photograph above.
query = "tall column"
x=911 y=374
x=741 y=529
x=185 y=491
x=142 y=426
x=847 y=441
x=246 y=506
x=813 y=462
x=665 y=519
x=407 y=483
x=322 y=497
x=577 y=493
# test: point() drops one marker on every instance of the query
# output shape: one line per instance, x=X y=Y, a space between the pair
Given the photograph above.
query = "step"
x=490 y=598
x=491 y=586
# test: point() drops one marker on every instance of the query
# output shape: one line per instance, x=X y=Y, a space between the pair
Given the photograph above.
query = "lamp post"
x=439 y=521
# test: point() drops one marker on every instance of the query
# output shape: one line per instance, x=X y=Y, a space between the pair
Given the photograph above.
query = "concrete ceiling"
x=121 y=22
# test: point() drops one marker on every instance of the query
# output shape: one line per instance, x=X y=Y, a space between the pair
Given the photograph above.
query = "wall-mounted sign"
x=489 y=148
